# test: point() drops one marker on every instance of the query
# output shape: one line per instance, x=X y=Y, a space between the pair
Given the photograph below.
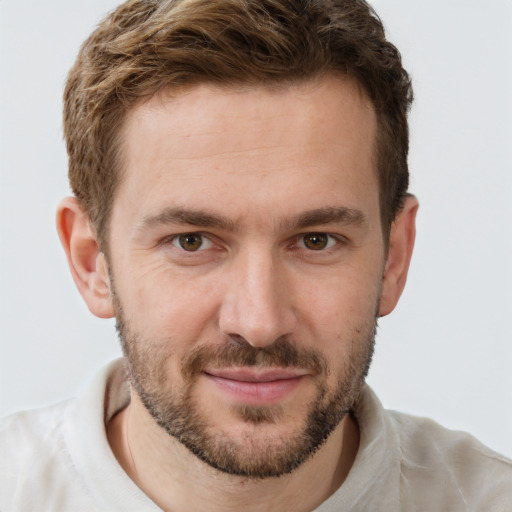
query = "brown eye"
x=316 y=241
x=190 y=241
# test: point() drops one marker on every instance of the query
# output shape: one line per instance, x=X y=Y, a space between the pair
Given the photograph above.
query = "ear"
x=86 y=262
x=401 y=244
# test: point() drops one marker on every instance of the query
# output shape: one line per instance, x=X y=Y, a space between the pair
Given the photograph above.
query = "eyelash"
x=299 y=241
x=176 y=241
x=330 y=241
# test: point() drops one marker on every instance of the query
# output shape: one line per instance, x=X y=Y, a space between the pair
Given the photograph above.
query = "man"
x=241 y=207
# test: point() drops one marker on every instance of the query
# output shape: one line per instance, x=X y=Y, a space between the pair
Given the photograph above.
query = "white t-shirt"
x=58 y=459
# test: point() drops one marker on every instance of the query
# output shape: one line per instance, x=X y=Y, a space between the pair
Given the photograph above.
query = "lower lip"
x=256 y=393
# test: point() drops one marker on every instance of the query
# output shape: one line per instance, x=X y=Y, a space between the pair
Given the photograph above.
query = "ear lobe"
x=401 y=244
x=86 y=262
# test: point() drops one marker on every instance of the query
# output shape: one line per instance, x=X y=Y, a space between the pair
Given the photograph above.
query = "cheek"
x=343 y=300
x=163 y=304
x=339 y=319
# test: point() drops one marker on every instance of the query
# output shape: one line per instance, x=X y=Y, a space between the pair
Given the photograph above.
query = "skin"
x=263 y=160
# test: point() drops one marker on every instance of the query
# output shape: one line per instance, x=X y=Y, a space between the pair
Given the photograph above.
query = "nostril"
x=237 y=339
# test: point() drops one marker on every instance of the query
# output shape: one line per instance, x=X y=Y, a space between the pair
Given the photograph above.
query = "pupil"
x=190 y=242
x=316 y=241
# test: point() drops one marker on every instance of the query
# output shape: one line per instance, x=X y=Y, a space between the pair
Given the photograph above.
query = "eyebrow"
x=330 y=215
x=320 y=216
x=187 y=216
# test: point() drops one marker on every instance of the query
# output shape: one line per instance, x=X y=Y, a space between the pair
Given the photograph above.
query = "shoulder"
x=28 y=432
x=414 y=464
x=445 y=462
x=57 y=457
x=34 y=460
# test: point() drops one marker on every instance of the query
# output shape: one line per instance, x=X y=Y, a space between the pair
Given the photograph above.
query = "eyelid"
x=207 y=242
x=332 y=242
x=297 y=242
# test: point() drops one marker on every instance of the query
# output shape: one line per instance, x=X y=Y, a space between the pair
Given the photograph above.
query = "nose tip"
x=257 y=307
x=256 y=325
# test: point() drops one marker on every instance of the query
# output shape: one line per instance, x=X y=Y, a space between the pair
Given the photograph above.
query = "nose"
x=258 y=301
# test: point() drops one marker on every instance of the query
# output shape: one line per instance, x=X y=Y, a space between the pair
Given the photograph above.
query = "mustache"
x=239 y=352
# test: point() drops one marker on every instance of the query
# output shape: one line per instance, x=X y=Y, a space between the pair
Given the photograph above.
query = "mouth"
x=264 y=386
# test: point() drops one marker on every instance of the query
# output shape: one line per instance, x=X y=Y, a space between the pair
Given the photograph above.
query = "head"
x=240 y=170
x=147 y=46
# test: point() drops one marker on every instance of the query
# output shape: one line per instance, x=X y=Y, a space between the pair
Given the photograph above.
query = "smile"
x=251 y=387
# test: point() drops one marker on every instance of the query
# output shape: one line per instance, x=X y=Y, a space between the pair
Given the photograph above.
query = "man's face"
x=246 y=257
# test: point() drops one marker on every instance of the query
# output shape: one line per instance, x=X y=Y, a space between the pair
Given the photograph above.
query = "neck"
x=177 y=480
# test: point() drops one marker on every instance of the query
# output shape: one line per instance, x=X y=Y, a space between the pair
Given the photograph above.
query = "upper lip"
x=256 y=374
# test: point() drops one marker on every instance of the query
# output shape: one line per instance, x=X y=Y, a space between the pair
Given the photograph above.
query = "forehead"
x=257 y=142
x=324 y=105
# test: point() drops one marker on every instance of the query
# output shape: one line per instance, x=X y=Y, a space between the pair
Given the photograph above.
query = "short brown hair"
x=148 y=45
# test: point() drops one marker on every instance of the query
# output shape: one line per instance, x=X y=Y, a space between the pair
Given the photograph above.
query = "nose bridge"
x=257 y=304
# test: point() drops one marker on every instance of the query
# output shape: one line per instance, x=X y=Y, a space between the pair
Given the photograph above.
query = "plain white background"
x=446 y=352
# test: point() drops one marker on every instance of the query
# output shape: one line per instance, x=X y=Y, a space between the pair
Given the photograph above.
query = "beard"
x=257 y=454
